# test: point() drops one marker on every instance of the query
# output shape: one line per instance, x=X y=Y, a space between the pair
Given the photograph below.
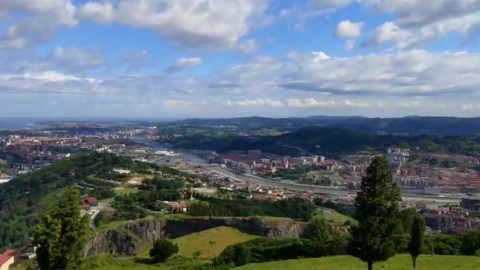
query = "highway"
x=195 y=160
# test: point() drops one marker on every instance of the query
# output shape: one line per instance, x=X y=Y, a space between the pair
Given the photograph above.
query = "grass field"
x=334 y=217
x=399 y=262
x=211 y=242
x=123 y=190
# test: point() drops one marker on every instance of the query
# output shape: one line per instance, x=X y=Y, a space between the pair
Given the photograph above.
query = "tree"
x=378 y=234
x=471 y=243
x=417 y=235
x=320 y=230
x=406 y=217
x=61 y=236
x=162 y=250
x=241 y=255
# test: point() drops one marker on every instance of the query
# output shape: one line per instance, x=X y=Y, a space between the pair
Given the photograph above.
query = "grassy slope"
x=210 y=242
x=335 y=217
x=399 y=262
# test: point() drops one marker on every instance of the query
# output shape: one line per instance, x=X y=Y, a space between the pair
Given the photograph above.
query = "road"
x=288 y=184
x=95 y=211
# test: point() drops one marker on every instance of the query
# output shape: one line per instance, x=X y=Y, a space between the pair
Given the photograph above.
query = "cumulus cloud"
x=34 y=22
x=348 y=29
x=388 y=32
x=419 y=22
x=183 y=63
x=209 y=24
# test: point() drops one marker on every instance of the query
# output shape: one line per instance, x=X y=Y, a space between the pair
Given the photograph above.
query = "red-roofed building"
x=8 y=258
x=92 y=201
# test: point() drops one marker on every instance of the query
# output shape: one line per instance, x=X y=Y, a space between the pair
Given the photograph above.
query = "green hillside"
x=399 y=262
x=25 y=198
x=210 y=243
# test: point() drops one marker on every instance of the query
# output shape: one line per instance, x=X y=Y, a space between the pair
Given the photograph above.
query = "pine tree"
x=378 y=235
x=417 y=234
x=61 y=236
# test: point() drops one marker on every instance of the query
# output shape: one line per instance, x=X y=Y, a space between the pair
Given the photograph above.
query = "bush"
x=162 y=250
x=271 y=249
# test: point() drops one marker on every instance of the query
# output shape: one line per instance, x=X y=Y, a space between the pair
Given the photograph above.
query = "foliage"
x=443 y=244
x=417 y=236
x=407 y=217
x=100 y=193
x=61 y=236
x=292 y=174
x=24 y=199
x=162 y=250
x=378 y=235
x=294 y=208
x=335 y=141
x=320 y=230
x=471 y=243
x=271 y=249
x=158 y=183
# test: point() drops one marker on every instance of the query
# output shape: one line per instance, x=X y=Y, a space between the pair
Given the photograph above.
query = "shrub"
x=162 y=250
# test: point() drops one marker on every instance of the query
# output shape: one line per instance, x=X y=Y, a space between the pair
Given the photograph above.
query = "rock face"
x=131 y=238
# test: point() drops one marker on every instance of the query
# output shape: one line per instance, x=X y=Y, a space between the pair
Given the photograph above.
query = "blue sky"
x=226 y=58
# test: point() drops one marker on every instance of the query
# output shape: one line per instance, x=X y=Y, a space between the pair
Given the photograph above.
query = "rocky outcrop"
x=131 y=238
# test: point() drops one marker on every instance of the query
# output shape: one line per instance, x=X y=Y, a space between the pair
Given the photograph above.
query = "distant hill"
x=329 y=140
x=412 y=125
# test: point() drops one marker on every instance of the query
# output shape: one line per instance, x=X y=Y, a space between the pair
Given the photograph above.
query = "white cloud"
x=349 y=45
x=102 y=13
x=181 y=104
x=314 y=103
x=34 y=22
x=213 y=24
x=51 y=76
x=247 y=47
x=419 y=22
x=78 y=57
x=348 y=29
x=388 y=32
x=136 y=56
x=184 y=63
x=254 y=103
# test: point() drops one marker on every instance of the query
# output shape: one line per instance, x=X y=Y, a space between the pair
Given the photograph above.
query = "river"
x=156 y=146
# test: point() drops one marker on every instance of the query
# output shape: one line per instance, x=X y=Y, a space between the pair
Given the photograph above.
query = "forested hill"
x=440 y=126
x=325 y=140
x=25 y=197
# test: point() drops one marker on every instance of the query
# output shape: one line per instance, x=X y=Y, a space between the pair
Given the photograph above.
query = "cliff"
x=131 y=238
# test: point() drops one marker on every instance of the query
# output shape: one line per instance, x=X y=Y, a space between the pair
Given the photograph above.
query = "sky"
x=232 y=58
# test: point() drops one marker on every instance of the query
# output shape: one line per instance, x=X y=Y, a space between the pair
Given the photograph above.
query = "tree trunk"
x=370 y=265
x=414 y=262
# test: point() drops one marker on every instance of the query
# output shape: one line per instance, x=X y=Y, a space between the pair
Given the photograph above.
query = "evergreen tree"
x=417 y=236
x=61 y=236
x=378 y=235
